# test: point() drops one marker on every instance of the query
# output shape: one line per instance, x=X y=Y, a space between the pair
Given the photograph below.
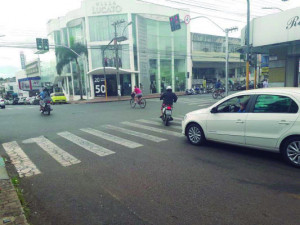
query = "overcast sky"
x=21 y=21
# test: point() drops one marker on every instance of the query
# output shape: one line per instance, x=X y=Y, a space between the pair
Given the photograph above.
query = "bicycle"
x=218 y=92
x=141 y=102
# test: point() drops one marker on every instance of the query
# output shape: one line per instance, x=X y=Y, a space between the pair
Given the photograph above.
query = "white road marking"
x=62 y=157
x=157 y=123
x=25 y=167
x=206 y=105
x=91 y=147
x=112 y=138
x=178 y=118
x=135 y=133
x=176 y=134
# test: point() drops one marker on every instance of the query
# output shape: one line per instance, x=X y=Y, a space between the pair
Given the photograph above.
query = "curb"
x=116 y=100
x=11 y=211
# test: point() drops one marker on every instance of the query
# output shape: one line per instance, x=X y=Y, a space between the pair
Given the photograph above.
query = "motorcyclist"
x=43 y=96
x=168 y=98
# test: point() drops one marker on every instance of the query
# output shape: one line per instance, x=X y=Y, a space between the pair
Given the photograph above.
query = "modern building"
x=37 y=74
x=150 y=55
x=209 y=58
x=277 y=37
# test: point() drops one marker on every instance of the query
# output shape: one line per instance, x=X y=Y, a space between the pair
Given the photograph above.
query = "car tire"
x=195 y=134
x=290 y=151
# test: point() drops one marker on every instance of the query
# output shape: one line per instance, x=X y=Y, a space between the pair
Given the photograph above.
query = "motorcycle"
x=167 y=115
x=190 y=92
x=46 y=107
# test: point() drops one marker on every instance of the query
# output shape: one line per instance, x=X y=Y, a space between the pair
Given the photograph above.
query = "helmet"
x=169 y=88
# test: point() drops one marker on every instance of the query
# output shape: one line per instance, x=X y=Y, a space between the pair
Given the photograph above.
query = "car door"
x=227 y=124
x=272 y=116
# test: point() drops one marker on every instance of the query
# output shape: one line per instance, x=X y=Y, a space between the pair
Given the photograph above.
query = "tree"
x=65 y=56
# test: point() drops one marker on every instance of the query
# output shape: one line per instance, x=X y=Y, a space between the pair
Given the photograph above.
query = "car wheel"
x=195 y=134
x=291 y=151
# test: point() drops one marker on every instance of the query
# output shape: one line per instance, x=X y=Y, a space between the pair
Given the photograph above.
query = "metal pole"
x=248 y=44
x=226 y=66
x=103 y=61
x=117 y=61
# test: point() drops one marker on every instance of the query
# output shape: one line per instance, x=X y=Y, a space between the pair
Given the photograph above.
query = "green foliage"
x=65 y=56
x=15 y=181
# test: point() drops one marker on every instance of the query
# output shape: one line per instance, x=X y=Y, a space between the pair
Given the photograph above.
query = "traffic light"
x=253 y=59
x=175 y=23
x=39 y=44
x=45 y=44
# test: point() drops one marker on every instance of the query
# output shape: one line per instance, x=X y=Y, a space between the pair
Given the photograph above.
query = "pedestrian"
x=265 y=83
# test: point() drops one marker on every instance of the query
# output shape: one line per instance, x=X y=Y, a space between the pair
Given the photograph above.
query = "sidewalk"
x=11 y=211
x=115 y=99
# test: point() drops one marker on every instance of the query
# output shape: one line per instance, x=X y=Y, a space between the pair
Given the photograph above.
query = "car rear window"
x=275 y=104
x=59 y=94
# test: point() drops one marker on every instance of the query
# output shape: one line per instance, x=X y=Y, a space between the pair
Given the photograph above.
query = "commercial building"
x=150 y=55
x=277 y=37
x=208 y=56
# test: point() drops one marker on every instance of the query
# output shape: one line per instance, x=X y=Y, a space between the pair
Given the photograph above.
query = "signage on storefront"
x=106 y=7
x=293 y=22
x=99 y=85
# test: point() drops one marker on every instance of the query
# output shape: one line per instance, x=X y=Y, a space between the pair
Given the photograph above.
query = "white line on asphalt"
x=135 y=133
x=206 y=105
x=173 y=122
x=91 y=147
x=176 y=134
x=112 y=138
x=25 y=167
x=62 y=157
x=157 y=123
x=178 y=118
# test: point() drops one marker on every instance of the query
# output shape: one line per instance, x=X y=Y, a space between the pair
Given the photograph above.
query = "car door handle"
x=284 y=122
x=239 y=121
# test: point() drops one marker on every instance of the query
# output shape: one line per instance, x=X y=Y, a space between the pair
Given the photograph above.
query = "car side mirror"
x=214 y=110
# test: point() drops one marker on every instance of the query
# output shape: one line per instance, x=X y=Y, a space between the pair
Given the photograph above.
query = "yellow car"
x=58 y=97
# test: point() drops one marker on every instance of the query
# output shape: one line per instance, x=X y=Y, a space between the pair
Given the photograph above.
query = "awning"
x=110 y=70
x=58 y=79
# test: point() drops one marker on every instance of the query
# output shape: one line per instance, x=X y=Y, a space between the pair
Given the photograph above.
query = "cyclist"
x=218 y=85
x=168 y=98
x=137 y=94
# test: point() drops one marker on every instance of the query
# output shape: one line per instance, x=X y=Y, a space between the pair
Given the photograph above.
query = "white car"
x=2 y=103
x=266 y=119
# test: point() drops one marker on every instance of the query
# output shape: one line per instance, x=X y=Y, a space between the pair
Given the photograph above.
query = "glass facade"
x=101 y=28
x=166 y=54
x=110 y=57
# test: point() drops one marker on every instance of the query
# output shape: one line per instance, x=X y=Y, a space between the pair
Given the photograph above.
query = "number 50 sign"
x=99 y=85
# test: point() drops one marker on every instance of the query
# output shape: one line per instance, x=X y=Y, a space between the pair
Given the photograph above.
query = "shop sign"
x=106 y=7
x=99 y=85
x=293 y=22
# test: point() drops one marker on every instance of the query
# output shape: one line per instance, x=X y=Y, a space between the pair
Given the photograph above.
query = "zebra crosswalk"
x=192 y=101
x=19 y=153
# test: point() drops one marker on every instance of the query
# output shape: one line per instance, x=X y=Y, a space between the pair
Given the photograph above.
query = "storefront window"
x=153 y=75
x=180 y=77
x=165 y=72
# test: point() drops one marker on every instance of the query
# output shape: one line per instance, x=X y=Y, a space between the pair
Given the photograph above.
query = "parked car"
x=266 y=119
x=21 y=101
x=8 y=101
x=58 y=97
x=34 y=101
x=2 y=103
x=27 y=101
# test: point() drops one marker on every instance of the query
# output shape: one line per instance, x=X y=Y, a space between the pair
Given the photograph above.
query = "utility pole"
x=115 y=24
x=227 y=55
x=248 y=44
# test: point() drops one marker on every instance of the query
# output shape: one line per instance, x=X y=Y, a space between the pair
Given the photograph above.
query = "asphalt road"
x=74 y=174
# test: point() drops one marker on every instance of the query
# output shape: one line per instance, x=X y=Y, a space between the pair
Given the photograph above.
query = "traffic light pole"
x=248 y=45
